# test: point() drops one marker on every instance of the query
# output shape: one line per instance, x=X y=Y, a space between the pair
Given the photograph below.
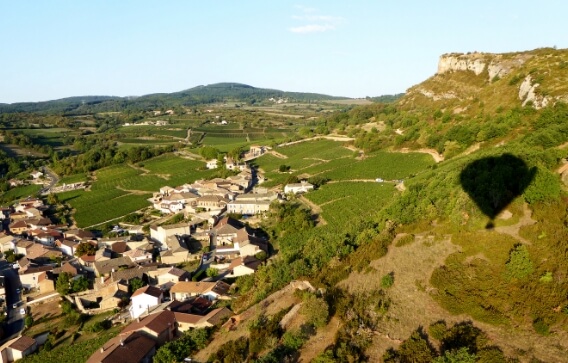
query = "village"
x=175 y=278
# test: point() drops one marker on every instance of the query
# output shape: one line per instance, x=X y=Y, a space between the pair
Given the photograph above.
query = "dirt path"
x=513 y=230
x=277 y=154
x=437 y=156
x=315 y=208
x=319 y=342
x=327 y=137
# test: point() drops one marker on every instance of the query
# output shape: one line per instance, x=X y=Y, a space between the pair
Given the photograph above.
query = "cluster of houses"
x=37 y=177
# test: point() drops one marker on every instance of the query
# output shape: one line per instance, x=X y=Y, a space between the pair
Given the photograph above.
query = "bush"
x=437 y=330
x=387 y=280
x=541 y=327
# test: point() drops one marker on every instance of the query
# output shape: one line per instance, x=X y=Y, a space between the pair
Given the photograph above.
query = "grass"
x=330 y=159
x=22 y=191
x=70 y=179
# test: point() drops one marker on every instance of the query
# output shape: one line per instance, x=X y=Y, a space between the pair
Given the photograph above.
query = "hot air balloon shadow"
x=494 y=182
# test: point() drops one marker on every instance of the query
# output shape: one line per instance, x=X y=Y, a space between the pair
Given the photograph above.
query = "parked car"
x=22 y=311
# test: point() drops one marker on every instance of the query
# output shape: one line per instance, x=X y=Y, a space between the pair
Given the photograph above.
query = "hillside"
x=475 y=83
x=219 y=92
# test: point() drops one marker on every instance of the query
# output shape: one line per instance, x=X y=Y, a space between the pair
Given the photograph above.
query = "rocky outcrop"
x=496 y=64
x=474 y=62
x=527 y=94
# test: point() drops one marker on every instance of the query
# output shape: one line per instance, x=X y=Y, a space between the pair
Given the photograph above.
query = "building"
x=243 y=266
x=212 y=164
x=133 y=347
x=183 y=290
x=296 y=188
x=17 y=348
x=145 y=298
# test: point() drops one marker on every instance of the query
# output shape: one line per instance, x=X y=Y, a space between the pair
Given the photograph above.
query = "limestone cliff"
x=476 y=81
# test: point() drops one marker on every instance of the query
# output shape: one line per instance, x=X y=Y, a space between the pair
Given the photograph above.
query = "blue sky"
x=54 y=49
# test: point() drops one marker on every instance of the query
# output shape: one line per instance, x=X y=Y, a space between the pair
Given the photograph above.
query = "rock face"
x=496 y=65
x=527 y=94
x=474 y=62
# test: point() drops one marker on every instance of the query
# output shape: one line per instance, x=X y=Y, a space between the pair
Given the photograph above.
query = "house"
x=192 y=321
x=243 y=266
x=161 y=233
x=296 y=188
x=68 y=247
x=73 y=268
x=211 y=290
x=256 y=150
x=88 y=262
x=165 y=278
x=160 y=326
x=41 y=254
x=132 y=347
x=143 y=299
x=22 y=246
x=248 y=206
x=166 y=190
x=212 y=164
x=18 y=227
x=7 y=242
x=102 y=268
x=18 y=348
x=32 y=276
x=139 y=256
x=212 y=202
x=36 y=174
x=78 y=235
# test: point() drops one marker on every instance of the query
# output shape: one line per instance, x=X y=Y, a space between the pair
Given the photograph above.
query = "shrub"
x=541 y=327
x=437 y=330
x=387 y=280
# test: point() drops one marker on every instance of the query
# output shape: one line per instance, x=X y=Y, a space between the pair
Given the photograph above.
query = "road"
x=54 y=180
x=14 y=323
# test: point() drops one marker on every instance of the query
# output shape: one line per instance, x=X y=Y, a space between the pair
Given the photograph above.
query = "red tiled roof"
x=148 y=290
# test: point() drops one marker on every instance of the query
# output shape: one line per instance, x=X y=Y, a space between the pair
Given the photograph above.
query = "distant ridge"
x=213 y=93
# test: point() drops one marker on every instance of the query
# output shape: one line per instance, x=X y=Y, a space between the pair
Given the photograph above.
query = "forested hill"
x=219 y=92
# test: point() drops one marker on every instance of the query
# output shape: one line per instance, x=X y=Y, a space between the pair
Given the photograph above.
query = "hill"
x=219 y=92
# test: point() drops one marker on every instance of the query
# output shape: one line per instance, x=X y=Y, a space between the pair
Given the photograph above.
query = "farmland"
x=333 y=161
x=345 y=202
x=121 y=189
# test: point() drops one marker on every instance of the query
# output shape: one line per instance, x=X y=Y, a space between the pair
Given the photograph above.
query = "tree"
x=79 y=284
x=461 y=355
x=212 y=272
x=52 y=199
x=62 y=283
x=135 y=284
x=316 y=310
x=85 y=248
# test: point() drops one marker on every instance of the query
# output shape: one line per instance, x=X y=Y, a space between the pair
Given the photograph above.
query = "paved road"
x=14 y=323
x=54 y=180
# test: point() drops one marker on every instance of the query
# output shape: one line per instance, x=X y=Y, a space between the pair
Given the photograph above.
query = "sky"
x=63 y=48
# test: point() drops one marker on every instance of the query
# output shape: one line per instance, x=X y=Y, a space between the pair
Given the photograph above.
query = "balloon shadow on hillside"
x=494 y=182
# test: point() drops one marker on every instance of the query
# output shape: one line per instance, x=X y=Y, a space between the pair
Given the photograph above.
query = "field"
x=21 y=192
x=344 y=202
x=121 y=189
x=331 y=160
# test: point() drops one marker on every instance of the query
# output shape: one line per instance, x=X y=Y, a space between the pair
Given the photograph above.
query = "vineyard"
x=121 y=189
x=333 y=161
x=344 y=202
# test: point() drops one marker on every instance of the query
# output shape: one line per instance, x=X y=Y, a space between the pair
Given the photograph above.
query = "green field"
x=70 y=179
x=344 y=202
x=121 y=189
x=330 y=159
x=20 y=192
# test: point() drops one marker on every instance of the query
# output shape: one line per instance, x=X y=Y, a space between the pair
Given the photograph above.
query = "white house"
x=296 y=188
x=212 y=164
x=243 y=266
x=161 y=233
x=143 y=299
